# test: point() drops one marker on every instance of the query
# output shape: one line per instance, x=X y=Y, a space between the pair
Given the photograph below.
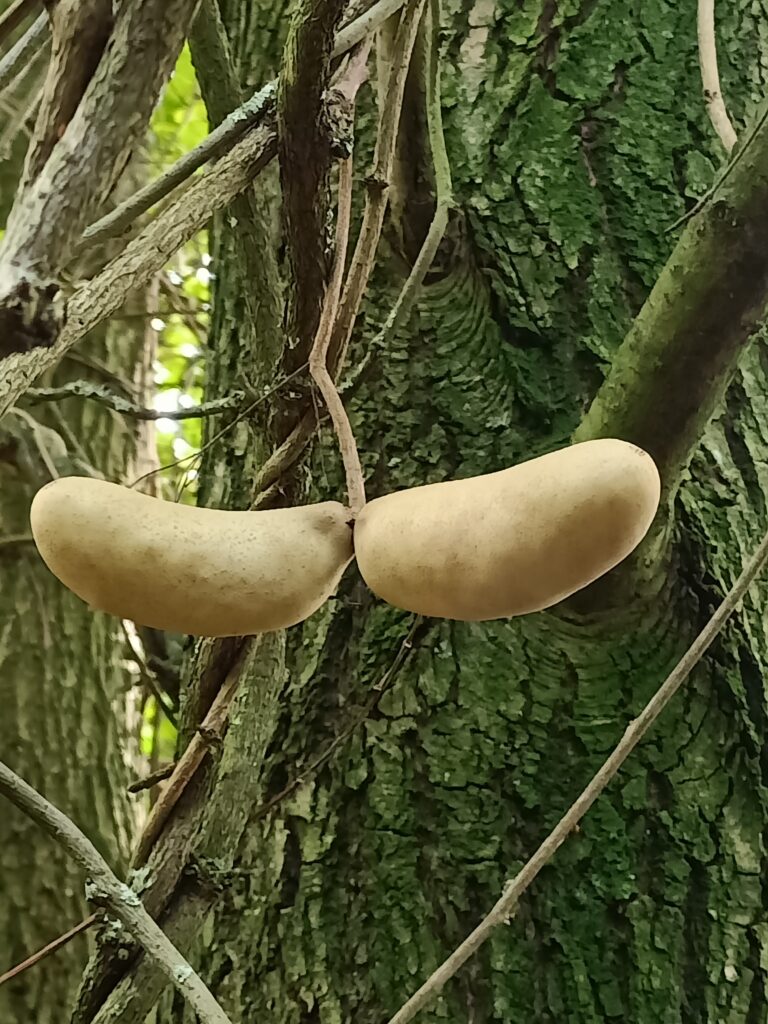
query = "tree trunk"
x=573 y=137
x=576 y=134
x=66 y=723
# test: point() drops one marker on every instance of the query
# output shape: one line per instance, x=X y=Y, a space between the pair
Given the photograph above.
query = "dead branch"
x=117 y=897
x=365 y=25
x=80 y=30
x=102 y=394
x=710 y=76
x=259 y=109
x=24 y=50
x=506 y=905
x=144 y=256
x=52 y=947
x=85 y=164
x=210 y=730
x=15 y=15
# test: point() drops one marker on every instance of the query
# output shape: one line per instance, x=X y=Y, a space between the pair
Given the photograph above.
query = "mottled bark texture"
x=64 y=721
x=576 y=135
x=65 y=724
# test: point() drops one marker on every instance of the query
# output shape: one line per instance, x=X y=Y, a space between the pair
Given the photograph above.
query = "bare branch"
x=80 y=31
x=52 y=947
x=257 y=110
x=24 y=50
x=49 y=216
x=100 y=393
x=153 y=779
x=14 y=16
x=115 y=895
x=365 y=25
x=506 y=906
x=710 y=77
x=143 y=257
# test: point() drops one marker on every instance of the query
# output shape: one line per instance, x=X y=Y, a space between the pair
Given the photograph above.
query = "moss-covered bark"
x=65 y=713
x=577 y=135
x=66 y=724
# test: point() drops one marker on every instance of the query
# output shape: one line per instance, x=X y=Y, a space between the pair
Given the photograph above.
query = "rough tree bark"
x=65 y=718
x=575 y=133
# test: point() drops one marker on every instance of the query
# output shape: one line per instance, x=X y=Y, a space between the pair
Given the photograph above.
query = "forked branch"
x=117 y=897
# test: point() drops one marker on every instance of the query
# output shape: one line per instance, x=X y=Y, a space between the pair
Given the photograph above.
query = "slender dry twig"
x=506 y=906
x=52 y=947
x=225 y=429
x=211 y=729
x=14 y=16
x=153 y=779
x=100 y=393
x=115 y=895
x=710 y=77
x=24 y=50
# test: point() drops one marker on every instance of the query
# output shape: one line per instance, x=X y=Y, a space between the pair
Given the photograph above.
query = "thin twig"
x=211 y=729
x=102 y=394
x=225 y=429
x=153 y=779
x=14 y=16
x=443 y=184
x=506 y=906
x=318 y=357
x=710 y=77
x=52 y=947
x=115 y=895
x=24 y=50
x=365 y=25
x=382 y=686
x=258 y=109
x=318 y=367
